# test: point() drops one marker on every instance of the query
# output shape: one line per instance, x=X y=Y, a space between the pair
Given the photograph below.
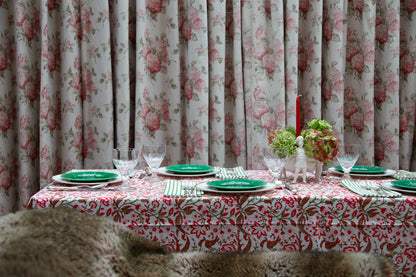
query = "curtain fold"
x=208 y=78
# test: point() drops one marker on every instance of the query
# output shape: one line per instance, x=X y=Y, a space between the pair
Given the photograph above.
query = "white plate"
x=205 y=187
x=58 y=179
x=163 y=171
x=389 y=185
x=388 y=172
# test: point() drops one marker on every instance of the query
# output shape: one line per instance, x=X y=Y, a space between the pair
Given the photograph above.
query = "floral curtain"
x=206 y=77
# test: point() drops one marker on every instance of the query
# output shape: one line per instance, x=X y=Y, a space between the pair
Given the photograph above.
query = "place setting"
x=85 y=180
x=347 y=157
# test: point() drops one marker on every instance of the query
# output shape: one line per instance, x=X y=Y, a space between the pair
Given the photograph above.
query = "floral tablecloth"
x=322 y=216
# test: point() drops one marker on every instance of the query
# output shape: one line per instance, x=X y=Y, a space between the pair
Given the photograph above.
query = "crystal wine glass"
x=347 y=157
x=125 y=160
x=275 y=160
x=154 y=155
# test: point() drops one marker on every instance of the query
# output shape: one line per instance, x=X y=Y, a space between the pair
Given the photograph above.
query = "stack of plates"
x=236 y=186
x=406 y=186
x=87 y=178
x=188 y=170
x=364 y=171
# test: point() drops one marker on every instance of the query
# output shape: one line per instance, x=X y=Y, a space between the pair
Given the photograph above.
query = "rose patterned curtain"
x=206 y=77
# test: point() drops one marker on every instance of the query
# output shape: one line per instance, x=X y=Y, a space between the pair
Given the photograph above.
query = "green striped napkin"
x=369 y=189
x=404 y=175
x=232 y=173
x=175 y=188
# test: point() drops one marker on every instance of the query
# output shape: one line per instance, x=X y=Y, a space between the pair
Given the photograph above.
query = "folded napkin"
x=232 y=173
x=175 y=188
x=369 y=189
x=404 y=175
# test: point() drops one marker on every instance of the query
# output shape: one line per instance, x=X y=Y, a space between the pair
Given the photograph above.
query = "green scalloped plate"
x=88 y=176
x=405 y=184
x=189 y=168
x=362 y=169
x=237 y=184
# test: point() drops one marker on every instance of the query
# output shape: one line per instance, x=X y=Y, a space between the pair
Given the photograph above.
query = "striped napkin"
x=404 y=175
x=175 y=188
x=232 y=173
x=369 y=189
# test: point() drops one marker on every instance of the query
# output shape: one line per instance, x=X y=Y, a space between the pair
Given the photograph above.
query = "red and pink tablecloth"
x=322 y=216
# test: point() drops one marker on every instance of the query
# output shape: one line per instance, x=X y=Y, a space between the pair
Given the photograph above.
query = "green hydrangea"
x=282 y=139
x=319 y=125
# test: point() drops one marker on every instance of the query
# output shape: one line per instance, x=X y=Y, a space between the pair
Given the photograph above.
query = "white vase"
x=313 y=166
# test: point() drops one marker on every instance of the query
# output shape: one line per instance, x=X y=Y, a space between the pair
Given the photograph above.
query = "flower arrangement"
x=319 y=140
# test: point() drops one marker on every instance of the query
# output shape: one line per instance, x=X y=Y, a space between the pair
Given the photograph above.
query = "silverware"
x=290 y=189
x=54 y=186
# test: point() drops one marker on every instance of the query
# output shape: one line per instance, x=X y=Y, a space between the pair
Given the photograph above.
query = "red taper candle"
x=297 y=116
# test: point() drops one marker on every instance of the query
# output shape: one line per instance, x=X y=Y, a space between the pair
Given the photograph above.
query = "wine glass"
x=125 y=160
x=154 y=154
x=347 y=157
x=275 y=160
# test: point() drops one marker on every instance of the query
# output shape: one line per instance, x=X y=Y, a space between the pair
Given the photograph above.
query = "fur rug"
x=63 y=242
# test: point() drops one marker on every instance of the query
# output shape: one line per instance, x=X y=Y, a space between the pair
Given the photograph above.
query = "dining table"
x=314 y=215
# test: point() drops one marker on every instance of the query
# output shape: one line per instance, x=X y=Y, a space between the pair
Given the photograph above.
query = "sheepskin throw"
x=63 y=242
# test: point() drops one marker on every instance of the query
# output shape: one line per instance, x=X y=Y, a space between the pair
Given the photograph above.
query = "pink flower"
x=51 y=62
x=76 y=80
x=358 y=63
x=382 y=33
x=30 y=91
x=28 y=30
x=25 y=139
x=20 y=16
x=51 y=121
x=410 y=5
x=199 y=85
x=152 y=121
x=77 y=139
x=407 y=64
x=379 y=93
x=304 y=6
x=44 y=153
x=358 y=5
x=350 y=109
x=259 y=110
x=236 y=148
x=357 y=122
x=4 y=121
x=23 y=79
x=260 y=50
x=31 y=150
x=51 y=4
x=3 y=61
x=186 y=31
x=5 y=180
x=213 y=55
x=229 y=135
x=144 y=110
x=404 y=123
x=44 y=169
x=328 y=30
x=268 y=121
x=269 y=63
x=352 y=50
x=188 y=90
x=154 y=6
x=154 y=64
x=190 y=149
x=327 y=91
x=24 y=122
x=197 y=24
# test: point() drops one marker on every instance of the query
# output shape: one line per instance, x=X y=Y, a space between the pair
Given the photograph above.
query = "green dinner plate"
x=405 y=184
x=189 y=168
x=88 y=176
x=237 y=184
x=362 y=169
